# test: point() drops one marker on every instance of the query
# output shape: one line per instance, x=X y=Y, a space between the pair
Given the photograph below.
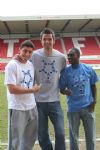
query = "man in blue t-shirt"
x=77 y=81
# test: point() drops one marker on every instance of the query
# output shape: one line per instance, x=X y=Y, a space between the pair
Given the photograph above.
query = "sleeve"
x=10 y=74
x=94 y=77
x=62 y=80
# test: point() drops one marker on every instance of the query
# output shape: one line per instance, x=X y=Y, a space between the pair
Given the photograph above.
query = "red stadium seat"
x=89 y=46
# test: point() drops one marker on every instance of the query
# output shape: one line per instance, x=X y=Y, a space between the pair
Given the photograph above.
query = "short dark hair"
x=76 y=50
x=27 y=43
x=47 y=31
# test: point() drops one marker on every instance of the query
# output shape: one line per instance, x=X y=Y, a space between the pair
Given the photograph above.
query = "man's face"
x=47 y=41
x=25 y=53
x=72 y=57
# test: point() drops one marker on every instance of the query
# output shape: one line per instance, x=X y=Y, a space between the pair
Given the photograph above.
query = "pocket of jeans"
x=91 y=114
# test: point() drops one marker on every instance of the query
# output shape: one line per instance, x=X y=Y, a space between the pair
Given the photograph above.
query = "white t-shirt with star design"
x=17 y=73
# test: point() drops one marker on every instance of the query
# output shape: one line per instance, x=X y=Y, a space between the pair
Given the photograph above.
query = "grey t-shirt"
x=47 y=72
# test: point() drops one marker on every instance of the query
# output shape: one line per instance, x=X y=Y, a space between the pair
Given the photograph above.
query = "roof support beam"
x=66 y=24
x=7 y=27
x=84 y=25
x=27 y=26
x=98 y=28
x=47 y=23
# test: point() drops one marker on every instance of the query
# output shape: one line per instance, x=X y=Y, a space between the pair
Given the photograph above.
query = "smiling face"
x=73 y=57
x=47 y=41
x=25 y=53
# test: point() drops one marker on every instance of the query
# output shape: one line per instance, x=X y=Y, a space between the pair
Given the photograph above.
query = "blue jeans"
x=88 y=120
x=53 y=111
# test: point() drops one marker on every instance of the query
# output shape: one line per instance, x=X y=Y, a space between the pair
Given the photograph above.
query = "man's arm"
x=94 y=94
x=16 y=89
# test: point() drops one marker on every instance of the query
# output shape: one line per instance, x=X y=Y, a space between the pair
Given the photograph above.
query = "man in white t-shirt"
x=23 y=116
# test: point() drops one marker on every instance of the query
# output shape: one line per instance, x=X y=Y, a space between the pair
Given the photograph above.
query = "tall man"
x=48 y=64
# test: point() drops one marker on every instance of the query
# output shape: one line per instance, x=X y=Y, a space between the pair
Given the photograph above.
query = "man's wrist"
x=94 y=102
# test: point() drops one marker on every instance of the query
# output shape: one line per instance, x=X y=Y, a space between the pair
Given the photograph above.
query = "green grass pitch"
x=4 y=113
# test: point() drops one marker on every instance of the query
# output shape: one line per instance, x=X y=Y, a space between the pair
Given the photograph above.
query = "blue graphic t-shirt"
x=79 y=81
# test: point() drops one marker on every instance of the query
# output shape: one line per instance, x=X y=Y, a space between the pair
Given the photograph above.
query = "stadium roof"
x=61 y=24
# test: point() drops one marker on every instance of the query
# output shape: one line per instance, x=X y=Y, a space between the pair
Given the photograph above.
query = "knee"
x=60 y=135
